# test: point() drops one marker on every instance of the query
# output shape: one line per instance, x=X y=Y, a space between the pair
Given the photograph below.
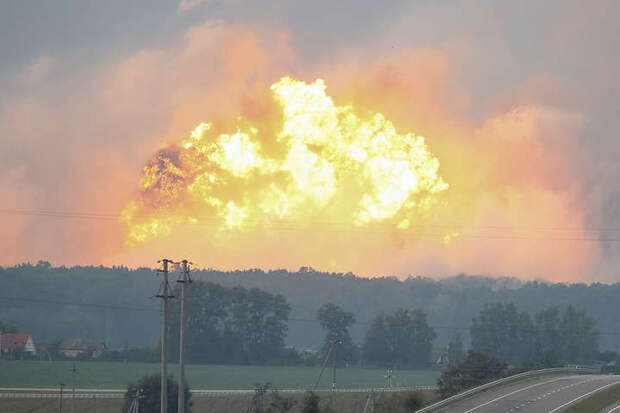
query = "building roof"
x=81 y=345
x=13 y=341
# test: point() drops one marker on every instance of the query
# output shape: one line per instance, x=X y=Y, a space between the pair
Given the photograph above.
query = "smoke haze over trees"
x=553 y=337
x=231 y=325
x=399 y=340
x=116 y=305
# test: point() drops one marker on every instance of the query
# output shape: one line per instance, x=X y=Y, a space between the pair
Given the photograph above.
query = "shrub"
x=311 y=403
x=149 y=387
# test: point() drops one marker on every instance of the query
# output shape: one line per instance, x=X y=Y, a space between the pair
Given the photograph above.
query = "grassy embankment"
x=597 y=402
x=339 y=402
x=117 y=375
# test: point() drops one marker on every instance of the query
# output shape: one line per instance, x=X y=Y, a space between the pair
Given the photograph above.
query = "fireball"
x=322 y=165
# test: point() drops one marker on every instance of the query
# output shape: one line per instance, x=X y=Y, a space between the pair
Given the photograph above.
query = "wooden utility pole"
x=165 y=295
x=335 y=351
x=334 y=366
x=60 y=405
x=183 y=279
x=73 y=371
x=389 y=378
x=135 y=404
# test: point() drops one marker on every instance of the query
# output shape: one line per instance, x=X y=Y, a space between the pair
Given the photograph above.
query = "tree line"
x=550 y=337
x=264 y=317
x=249 y=326
x=231 y=325
x=114 y=305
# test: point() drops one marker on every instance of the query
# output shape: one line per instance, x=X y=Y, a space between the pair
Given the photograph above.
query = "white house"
x=11 y=344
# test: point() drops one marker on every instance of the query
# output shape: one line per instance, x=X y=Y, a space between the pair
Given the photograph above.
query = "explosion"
x=322 y=165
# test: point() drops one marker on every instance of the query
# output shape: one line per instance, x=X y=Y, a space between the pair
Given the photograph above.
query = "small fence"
x=49 y=393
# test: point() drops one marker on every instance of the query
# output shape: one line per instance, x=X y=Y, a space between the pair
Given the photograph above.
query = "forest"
x=257 y=316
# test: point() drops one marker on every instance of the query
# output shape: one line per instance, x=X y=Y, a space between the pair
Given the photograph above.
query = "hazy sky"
x=520 y=101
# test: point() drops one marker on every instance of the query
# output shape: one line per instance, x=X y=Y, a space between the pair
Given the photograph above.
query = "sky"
x=518 y=101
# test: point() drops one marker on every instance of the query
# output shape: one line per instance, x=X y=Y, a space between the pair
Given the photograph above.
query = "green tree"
x=579 y=335
x=504 y=332
x=149 y=387
x=259 y=318
x=477 y=368
x=402 y=339
x=232 y=325
x=455 y=349
x=549 y=341
x=375 y=343
x=336 y=322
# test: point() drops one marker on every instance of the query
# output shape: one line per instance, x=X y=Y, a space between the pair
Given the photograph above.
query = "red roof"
x=13 y=341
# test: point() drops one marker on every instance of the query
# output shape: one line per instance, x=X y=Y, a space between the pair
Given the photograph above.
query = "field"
x=109 y=375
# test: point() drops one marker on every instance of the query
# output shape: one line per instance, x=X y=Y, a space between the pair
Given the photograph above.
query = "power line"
x=296 y=225
x=290 y=319
x=79 y=304
x=444 y=327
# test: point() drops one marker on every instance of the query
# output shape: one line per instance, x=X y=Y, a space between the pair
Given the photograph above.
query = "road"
x=539 y=395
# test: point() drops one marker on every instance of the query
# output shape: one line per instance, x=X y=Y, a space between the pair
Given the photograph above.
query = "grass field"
x=116 y=375
x=597 y=402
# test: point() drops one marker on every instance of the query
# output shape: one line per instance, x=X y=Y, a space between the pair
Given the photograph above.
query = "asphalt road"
x=540 y=395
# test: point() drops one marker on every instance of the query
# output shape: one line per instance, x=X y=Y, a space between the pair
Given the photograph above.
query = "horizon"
x=311 y=270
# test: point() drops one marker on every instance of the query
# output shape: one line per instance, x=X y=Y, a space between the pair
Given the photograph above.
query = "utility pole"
x=106 y=327
x=165 y=295
x=139 y=396
x=389 y=378
x=60 y=405
x=73 y=371
x=183 y=279
x=135 y=404
x=372 y=394
x=334 y=364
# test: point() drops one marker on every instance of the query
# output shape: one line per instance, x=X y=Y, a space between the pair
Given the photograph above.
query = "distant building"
x=16 y=344
x=81 y=348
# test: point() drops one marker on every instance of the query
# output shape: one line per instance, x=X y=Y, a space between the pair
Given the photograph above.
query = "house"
x=12 y=344
x=81 y=348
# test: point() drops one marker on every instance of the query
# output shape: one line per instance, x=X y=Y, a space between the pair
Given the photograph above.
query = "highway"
x=547 y=394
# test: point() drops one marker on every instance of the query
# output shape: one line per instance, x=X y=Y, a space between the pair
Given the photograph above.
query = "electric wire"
x=606 y=235
x=290 y=319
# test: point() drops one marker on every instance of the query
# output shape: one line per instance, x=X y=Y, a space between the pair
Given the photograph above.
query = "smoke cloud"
x=522 y=122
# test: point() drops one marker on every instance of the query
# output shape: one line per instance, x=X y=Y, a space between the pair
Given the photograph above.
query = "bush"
x=311 y=403
x=280 y=404
x=413 y=401
x=475 y=369
x=150 y=388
